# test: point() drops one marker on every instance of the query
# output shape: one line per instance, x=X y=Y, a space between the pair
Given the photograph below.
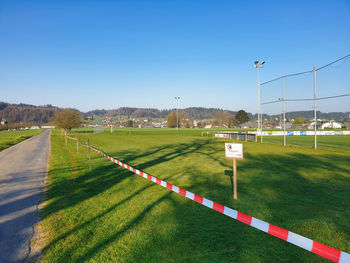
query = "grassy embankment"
x=112 y=215
x=9 y=138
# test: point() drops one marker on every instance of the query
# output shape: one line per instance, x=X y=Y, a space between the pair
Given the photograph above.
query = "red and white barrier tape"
x=298 y=240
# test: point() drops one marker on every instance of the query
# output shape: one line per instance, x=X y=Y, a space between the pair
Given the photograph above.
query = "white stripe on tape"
x=259 y=224
x=189 y=195
x=230 y=212
x=300 y=241
x=207 y=203
x=175 y=189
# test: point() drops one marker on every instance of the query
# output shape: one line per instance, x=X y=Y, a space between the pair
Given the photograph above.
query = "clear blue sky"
x=108 y=54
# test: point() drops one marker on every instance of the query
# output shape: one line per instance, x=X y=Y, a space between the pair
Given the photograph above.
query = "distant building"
x=331 y=124
x=4 y=122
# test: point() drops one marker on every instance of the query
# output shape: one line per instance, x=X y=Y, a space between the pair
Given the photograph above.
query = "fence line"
x=314 y=99
x=322 y=98
x=74 y=139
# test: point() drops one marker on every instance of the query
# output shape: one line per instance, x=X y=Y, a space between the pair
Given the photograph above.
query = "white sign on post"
x=234 y=150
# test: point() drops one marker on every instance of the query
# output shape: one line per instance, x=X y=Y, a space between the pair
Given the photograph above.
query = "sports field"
x=113 y=215
x=9 y=138
x=325 y=142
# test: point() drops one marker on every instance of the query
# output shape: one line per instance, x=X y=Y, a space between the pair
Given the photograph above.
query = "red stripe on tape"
x=278 y=232
x=198 y=199
x=149 y=177
x=134 y=170
x=182 y=191
x=169 y=186
x=326 y=251
x=244 y=218
x=141 y=173
x=218 y=207
x=158 y=181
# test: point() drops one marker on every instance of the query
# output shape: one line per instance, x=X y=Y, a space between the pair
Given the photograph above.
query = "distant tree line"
x=23 y=113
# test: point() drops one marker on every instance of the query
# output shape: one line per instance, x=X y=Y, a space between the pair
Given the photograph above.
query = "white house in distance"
x=331 y=124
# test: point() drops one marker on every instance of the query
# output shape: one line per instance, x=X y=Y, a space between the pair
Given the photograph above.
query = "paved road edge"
x=37 y=242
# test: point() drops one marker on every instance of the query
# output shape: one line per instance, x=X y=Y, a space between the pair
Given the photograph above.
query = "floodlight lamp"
x=256 y=64
x=262 y=63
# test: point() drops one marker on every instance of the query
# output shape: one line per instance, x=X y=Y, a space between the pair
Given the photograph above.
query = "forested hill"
x=38 y=115
x=200 y=113
x=16 y=113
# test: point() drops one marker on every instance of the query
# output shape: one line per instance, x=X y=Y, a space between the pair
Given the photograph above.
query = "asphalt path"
x=22 y=172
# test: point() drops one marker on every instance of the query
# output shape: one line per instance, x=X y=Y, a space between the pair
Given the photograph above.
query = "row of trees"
x=222 y=118
x=15 y=126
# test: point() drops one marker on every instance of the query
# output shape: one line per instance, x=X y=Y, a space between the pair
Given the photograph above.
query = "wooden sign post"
x=234 y=151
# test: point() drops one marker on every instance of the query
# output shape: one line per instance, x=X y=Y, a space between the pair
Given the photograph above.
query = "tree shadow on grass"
x=116 y=235
x=72 y=190
x=68 y=192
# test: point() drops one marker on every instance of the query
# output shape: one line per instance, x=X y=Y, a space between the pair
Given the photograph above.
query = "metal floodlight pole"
x=261 y=112
x=258 y=66
x=284 y=112
x=315 y=112
x=261 y=115
x=258 y=101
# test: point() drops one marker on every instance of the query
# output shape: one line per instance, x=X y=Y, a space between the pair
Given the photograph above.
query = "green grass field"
x=9 y=138
x=113 y=215
x=325 y=142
